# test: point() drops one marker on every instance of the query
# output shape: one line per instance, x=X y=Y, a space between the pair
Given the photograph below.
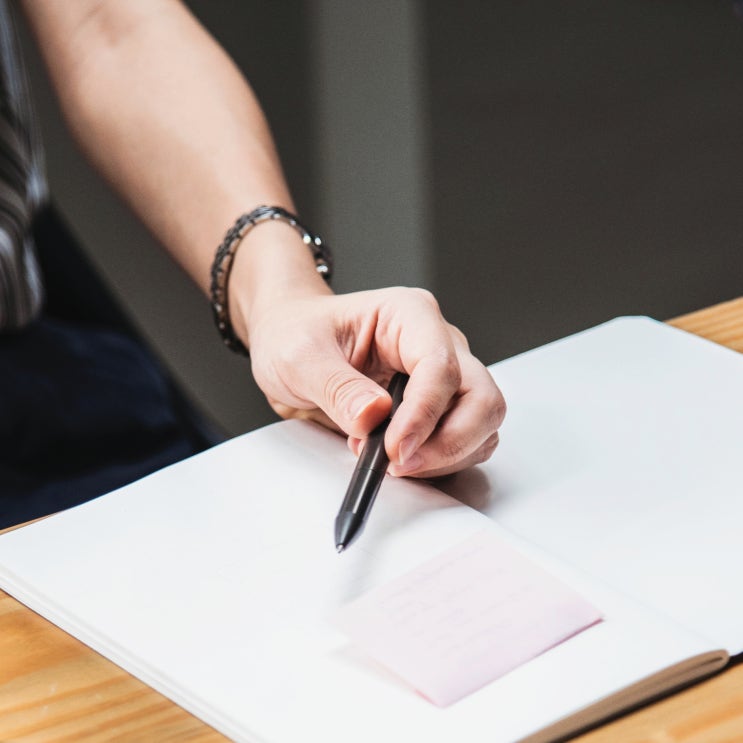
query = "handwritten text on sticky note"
x=465 y=618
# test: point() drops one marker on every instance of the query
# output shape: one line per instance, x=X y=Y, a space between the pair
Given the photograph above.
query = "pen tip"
x=339 y=548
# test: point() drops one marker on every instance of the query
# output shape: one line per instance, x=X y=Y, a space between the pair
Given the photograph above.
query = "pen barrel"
x=367 y=476
x=362 y=490
x=374 y=456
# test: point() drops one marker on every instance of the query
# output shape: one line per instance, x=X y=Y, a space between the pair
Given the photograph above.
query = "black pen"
x=368 y=475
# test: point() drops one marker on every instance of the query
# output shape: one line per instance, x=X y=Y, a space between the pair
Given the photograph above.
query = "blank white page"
x=214 y=581
x=622 y=453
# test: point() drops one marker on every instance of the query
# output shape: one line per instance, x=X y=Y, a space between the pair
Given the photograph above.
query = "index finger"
x=429 y=356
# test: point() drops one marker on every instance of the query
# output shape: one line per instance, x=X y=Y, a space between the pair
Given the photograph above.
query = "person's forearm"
x=165 y=115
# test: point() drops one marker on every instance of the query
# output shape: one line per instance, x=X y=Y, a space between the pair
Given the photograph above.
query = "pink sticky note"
x=465 y=618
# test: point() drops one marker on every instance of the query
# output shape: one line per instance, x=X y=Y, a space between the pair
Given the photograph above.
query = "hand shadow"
x=472 y=487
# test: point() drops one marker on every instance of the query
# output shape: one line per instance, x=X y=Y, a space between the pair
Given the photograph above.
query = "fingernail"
x=412 y=464
x=408 y=447
x=363 y=402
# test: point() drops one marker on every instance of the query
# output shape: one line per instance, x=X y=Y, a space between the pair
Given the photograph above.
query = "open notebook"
x=618 y=471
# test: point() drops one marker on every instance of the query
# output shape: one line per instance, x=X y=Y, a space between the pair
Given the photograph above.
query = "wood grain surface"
x=54 y=689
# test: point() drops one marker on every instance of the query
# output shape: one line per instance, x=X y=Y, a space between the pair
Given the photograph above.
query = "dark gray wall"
x=587 y=161
x=368 y=92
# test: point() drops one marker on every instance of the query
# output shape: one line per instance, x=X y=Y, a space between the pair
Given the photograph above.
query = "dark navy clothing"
x=84 y=405
x=82 y=411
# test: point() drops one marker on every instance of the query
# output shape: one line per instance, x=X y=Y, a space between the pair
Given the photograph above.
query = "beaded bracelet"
x=222 y=265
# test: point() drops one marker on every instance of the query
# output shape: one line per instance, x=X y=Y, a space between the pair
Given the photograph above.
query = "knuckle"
x=497 y=412
x=451 y=369
x=492 y=408
x=444 y=360
x=429 y=410
x=453 y=450
x=426 y=297
x=487 y=449
x=459 y=338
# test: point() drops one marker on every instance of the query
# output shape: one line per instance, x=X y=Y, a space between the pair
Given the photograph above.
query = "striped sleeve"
x=22 y=186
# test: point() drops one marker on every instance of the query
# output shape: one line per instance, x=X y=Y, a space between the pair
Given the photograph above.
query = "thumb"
x=354 y=402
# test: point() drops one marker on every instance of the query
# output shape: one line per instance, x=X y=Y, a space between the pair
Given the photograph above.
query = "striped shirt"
x=22 y=186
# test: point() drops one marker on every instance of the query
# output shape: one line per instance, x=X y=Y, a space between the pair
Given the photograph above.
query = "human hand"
x=329 y=357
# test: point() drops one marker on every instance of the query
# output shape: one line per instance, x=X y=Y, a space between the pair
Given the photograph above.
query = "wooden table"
x=53 y=688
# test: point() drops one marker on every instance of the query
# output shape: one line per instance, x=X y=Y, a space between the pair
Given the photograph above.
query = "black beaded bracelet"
x=222 y=265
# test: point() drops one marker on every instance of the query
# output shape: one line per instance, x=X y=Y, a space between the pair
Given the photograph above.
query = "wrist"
x=272 y=264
